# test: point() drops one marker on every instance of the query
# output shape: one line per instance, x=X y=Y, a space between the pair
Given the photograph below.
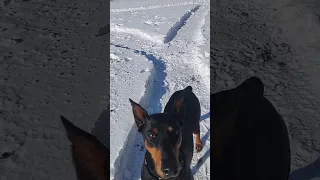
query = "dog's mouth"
x=167 y=176
x=171 y=176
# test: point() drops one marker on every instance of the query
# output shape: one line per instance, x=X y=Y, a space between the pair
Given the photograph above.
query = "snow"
x=157 y=48
x=52 y=63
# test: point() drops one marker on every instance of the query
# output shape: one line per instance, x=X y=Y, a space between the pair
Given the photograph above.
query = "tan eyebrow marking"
x=170 y=129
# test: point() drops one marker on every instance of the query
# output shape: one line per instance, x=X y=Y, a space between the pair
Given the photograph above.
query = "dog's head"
x=162 y=134
x=89 y=155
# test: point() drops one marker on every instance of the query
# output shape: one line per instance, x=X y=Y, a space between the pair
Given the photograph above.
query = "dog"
x=168 y=136
x=249 y=137
x=90 y=156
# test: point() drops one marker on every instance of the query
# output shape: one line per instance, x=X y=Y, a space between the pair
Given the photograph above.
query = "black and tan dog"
x=90 y=156
x=168 y=137
x=249 y=137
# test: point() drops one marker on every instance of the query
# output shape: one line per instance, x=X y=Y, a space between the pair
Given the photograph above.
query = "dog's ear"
x=178 y=108
x=178 y=104
x=89 y=155
x=140 y=115
x=252 y=86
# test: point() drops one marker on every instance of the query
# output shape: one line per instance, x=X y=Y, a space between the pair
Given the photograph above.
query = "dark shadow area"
x=201 y=161
x=205 y=138
x=308 y=172
x=205 y=116
x=6 y=155
x=104 y=30
x=101 y=128
x=205 y=156
x=237 y=135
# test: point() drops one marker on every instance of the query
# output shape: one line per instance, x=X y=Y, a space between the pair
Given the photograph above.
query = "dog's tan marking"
x=170 y=129
x=179 y=104
x=198 y=142
x=156 y=157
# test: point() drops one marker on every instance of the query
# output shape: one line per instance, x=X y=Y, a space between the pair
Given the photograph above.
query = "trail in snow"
x=139 y=33
x=149 y=70
x=155 y=6
x=155 y=90
x=178 y=25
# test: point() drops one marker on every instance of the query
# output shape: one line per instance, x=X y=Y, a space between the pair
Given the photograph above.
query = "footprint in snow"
x=114 y=57
x=6 y=155
x=144 y=70
x=152 y=23
x=127 y=59
x=148 y=22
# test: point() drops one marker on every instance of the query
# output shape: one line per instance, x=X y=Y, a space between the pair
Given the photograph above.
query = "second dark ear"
x=140 y=115
x=178 y=105
x=178 y=108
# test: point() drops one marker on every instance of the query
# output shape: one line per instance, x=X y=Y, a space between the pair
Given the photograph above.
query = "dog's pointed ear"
x=90 y=156
x=140 y=115
x=252 y=86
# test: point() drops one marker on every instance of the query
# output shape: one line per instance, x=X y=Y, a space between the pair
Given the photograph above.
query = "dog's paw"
x=199 y=146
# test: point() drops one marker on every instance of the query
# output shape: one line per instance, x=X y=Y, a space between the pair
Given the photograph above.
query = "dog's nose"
x=168 y=172
x=171 y=172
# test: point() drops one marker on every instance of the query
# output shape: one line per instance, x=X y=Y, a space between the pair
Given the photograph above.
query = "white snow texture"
x=157 y=47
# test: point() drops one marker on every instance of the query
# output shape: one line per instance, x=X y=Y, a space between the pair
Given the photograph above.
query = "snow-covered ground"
x=157 y=47
x=51 y=63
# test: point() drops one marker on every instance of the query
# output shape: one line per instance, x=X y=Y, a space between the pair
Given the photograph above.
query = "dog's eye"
x=150 y=135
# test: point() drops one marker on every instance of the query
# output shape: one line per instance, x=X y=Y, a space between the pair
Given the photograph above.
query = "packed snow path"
x=156 y=49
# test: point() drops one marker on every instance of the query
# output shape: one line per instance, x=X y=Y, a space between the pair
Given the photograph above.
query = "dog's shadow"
x=200 y=162
x=101 y=128
x=309 y=172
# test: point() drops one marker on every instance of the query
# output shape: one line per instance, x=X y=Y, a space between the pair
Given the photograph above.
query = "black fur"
x=184 y=119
